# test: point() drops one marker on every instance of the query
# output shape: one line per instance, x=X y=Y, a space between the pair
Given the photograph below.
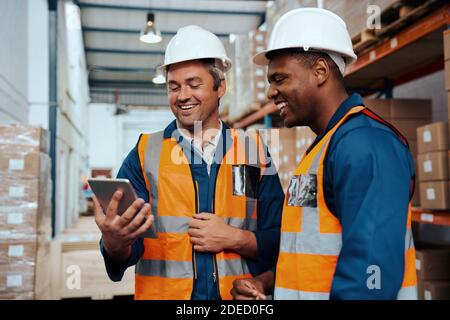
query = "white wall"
x=103 y=132
x=112 y=137
x=38 y=63
x=14 y=61
x=72 y=127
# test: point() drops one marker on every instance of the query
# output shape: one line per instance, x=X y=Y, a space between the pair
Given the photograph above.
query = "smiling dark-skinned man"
x=215 y=215
x=346 y=225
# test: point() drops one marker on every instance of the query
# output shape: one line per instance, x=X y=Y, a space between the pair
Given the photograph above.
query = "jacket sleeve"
x=130 y=170
x=269 y=209
x=370 y=172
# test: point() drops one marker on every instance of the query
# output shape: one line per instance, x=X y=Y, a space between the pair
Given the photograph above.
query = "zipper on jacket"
x=194 y=259
x=214 y=258
x=216 y=276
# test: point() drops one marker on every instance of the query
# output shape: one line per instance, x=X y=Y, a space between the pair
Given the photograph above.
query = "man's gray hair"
x=215 y=69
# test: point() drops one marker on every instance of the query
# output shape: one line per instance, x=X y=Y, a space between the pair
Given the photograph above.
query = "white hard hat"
x=192 y=43
x=311 y=29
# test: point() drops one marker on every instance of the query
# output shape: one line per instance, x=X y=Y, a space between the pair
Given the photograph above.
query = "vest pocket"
x=302 y=191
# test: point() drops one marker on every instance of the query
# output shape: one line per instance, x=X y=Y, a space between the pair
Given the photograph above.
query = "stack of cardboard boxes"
x=406 y=115
x=433 y=172
x=25 y=206
x=249 y=84
x=447 y=65
x=433 y=274
x=259 y=79
x=286 y=147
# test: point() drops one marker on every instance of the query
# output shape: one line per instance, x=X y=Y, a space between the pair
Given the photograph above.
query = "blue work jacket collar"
x=352 y=101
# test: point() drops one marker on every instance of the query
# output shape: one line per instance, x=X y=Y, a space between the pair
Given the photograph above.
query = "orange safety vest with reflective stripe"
x=167 y=268
x=311 y=235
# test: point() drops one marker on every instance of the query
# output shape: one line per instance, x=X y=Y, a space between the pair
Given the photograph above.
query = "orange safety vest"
x=167 y=268
x=311 y=235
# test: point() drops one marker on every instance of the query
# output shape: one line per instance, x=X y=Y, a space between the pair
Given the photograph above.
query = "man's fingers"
x=130 y=213
x=194 y=232
x=200 y=248
x=195 y=223
x=239 y=296
x=246 y=289
x=202 y=216
x=138 y=219
x=142 y=229
x=99 y=215
x=196 y=240
x=111 y=211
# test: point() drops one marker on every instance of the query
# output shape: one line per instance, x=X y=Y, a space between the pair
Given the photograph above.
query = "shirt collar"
x=172 y=131
x=352 y=101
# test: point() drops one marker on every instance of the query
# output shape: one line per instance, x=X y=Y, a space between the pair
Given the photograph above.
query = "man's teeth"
x=187 y=107
x=281 y=105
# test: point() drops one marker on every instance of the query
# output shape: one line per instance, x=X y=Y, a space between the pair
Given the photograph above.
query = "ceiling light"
x=150 y=34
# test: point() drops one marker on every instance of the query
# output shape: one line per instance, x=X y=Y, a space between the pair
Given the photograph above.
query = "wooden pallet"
x=364 y=40
x=402 y=13
x=79 y=247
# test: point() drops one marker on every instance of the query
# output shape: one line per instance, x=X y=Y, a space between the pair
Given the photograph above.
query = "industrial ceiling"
x=121 y=67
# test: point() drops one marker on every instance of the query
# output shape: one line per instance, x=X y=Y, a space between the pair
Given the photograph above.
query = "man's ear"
x=321 y=71
x=222 y=88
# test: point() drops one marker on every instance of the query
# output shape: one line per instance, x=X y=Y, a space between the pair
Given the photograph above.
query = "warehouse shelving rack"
x=390 y=62
x=412 y=53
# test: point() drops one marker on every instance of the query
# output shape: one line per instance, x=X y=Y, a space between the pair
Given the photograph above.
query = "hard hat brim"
x=261 y=60
x=225 y=62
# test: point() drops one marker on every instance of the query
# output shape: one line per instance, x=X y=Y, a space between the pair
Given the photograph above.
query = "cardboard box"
x=434 y=195
x=433 y=264
x=436 y=290
x=13 y=251
x=16 y=192
x=447 y=75
x=408 y=127
x=18 y=277
x=24 y=138
x=415 y=201
x=413 y=147
x=448 y=103
x=433 y=166
x=394 y=109
x=447 y=45
x=381 y=107
x=411 y=109
x=24 y=165
x=420 y=289
x=433 y=137
x=19 y=222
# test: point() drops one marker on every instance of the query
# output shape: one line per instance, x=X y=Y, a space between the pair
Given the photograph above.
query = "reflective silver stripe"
x=310 y=240
x=326 y=244
x=181 y=224
x=290 y=294
x=409 y=241
x=252 y=224
x=165 y=268
x=152 y=158
x=250 y=208
x=172 y=224
x=407 y=293
x=168 y=224
x=314 y=168
x=232 y=267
